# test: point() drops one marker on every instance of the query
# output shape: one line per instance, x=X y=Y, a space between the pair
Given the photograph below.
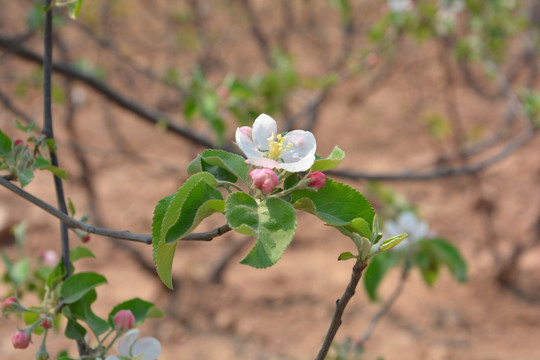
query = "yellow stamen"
x=276 y=146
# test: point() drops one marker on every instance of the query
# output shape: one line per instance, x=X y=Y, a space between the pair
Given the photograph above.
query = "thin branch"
x=8 y=104
x=386 y=307
x=341 y=303
x=151 y=115
x=257 y=32
x=124 y=235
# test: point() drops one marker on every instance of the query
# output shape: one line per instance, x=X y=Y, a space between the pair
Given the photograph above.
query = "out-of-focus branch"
x=123 y=235
x=151 y=115
x=6 y=101
x=262 y=42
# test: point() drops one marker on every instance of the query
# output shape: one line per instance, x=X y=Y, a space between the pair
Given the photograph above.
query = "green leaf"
x=74 y=330
x=71 y=207
x=450 y=256
x=81 y=309
x=80 y=252
x=5 y=144
x=56 y=275
x=361 y=227
x=393 y=241
x=74 y=9
x=141 y=310
x=43 y=164
x=335 y=203
x=179 y=215
x=30 y=318
x=377 y=268
x=333 y=160
x=77 y=285
x=346 y=256
x=195 y=166
x=25 y=177
x=19 y=271
x=233 y=164
x=272 y=223
x=163 y=253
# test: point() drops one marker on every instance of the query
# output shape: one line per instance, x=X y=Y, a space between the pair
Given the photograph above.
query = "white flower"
x=146 y=348
x=263 y=146
x=400 y=5
x=407 y=222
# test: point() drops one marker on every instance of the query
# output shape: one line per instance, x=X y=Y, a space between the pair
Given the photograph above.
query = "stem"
x=341 y=303
x=48 y=127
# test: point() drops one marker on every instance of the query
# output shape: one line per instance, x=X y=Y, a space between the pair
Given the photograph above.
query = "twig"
x=48 y=128
x=124 y=235
x=6 y=101
x=341 y=303
x=257 y=32
x=387 y=305
x=151 y=115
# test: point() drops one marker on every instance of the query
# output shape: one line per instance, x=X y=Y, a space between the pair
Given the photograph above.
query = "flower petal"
x=112 y=357
x=263 y=127
x=301 y=155
x=125 y=344
x=245 y=144
x=264 y=162
x=149 y=347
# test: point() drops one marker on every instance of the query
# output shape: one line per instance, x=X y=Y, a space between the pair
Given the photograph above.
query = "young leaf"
x=5 y=144
x=447 y=254
x=141 y=310
x=19 y=271
x=74 y=9
x=74 y=330
x=232 y=163
x=336 y=204
x=81 y=309
x=76 y=286
x=43 y=164
x=163 y=253
x=393 y=241
x=332 y=161
x=25 y=176
x=272 y=223
x=346 y=256
x=361 y=227
x=80 y=252
x=71 y=207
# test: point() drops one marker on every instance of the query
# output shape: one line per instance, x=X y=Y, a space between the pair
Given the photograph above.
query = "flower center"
x=276 y=146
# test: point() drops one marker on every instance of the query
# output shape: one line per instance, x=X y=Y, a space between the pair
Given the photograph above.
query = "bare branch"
x=124 y=235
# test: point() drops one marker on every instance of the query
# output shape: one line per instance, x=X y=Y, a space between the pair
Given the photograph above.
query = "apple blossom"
x=49 y=257
x=20 y=340
x=318 y=180
x=146 y=348
x=124 y=320
x=407 y=222
x=264 y=147
x=264 y=179
x=398 y=6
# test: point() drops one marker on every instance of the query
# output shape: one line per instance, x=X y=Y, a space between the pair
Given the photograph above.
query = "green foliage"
x=272 y=222
x=141 y=310
x=332 y=161
x=77 y=285
x=177 y=216
x=221 y=164
x=336 y=204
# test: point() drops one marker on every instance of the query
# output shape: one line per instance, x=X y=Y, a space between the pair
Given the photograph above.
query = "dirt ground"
x=283 y=312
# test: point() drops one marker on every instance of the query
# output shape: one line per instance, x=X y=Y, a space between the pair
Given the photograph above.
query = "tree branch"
x=151 y=115
x=123 y=235
x=341 y=303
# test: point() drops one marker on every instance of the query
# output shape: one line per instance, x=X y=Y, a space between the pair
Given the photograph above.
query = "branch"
x=151 y=115
x=124 y=235
x=387 y=305
x=341 y=303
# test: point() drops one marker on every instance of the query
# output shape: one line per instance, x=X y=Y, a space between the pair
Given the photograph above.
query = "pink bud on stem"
x=20 y=340
x=124 y=320
x=264 y=179
x=318 y=180
x=10 y=303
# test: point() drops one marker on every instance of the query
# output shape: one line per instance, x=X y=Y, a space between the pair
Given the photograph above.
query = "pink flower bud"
x=318 y=179
x=124 y=320
x=18 y=142
x=46 y=323
x=86 y=238
x=264 y=179
x=20 y=340
x=10 y=303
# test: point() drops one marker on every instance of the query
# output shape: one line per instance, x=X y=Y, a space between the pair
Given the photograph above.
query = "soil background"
x=282 y=312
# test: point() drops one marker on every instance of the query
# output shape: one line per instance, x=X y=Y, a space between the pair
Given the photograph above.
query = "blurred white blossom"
x=407 y=222
x=400 y=5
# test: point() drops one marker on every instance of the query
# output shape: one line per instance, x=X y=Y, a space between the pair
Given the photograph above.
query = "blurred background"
x=434 y=102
